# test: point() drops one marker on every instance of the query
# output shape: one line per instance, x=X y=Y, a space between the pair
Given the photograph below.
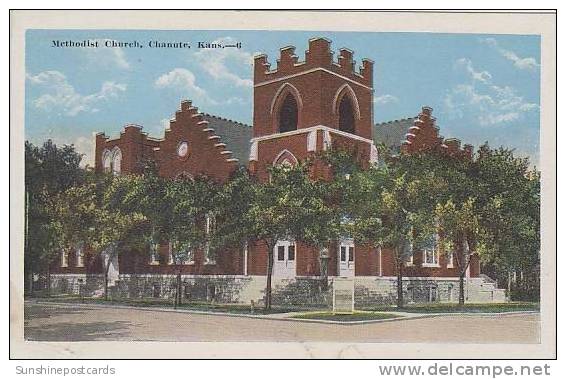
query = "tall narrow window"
x=346 y=122
x=171 y=259
x=153 y=254
x=288 y=115
x=106 y=161
x=209 y=256
x=431 y=253
x=80 y=256
x=64 y=258
x=450 y=258
x=117 y=161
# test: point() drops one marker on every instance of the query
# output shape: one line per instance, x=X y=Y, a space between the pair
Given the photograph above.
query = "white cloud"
x=485 y=101
x=184 y=80
x=164 y=123
x=157 y=129
x=385 y=99
x=107 y=56
x=528 y=63
x=482 y=76
x=61 y=96
x=237 y=100
x=85 y=146
x=219 y=63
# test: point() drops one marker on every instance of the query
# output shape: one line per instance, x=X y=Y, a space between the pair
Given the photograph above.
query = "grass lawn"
x=168 y=303
x=356 y=316
x=471 y=308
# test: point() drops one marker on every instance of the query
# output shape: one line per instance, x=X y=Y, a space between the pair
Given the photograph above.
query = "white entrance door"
x=284 y=259
x=346 y=262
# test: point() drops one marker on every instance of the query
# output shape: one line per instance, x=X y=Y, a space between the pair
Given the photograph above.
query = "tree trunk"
x=106 y=285
x=461 y=297
x=106 y=269
x=509 y=285
x=269 y=274
x=48 y=281
x=178 y=293
x=461 y=294
x=399 y=283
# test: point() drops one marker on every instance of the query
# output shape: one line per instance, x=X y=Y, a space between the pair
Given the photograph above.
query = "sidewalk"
x=279 y=316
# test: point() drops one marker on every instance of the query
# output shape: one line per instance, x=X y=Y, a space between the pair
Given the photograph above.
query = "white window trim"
x=436 y=258
x=285 y=244
x=80 y=257
x=410 y=262
x=154 y=256
x=348 y=243
x=191 y=261
x=171 y=260
x=64 y=258
x=450 y=263
x=210 y=220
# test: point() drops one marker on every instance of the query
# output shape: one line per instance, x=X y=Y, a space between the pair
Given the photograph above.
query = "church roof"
x=235 y=135
x=392 y=133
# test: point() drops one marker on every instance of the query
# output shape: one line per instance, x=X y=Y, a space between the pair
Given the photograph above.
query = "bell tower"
x=302 y=107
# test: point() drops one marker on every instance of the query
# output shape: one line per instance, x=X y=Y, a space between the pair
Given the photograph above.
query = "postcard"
x=328 y=184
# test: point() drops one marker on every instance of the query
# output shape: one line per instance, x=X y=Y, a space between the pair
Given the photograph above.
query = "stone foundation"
x=72 y=284
x=301 y=291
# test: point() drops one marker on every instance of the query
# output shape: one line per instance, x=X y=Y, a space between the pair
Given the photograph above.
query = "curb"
x=278 y=316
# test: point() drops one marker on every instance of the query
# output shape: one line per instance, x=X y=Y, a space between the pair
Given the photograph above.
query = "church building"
x=301 y=107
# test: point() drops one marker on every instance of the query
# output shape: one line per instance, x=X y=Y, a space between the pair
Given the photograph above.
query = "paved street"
x=71 y=323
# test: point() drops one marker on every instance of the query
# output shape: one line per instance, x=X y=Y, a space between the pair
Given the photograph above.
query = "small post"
x=81 y=291
x=252 y=307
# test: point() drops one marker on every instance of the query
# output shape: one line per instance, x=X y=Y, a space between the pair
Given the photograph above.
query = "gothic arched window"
x=288 y=114
x=106 y=161
x=346 y=122
x=117 y=161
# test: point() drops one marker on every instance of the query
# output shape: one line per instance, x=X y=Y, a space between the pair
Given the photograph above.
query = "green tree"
x=233 y=204
x=280 y=209
x=391 y=205
x=508 y=194
x=97 y=215
x=49 y=170
x=461 y=235
x=337 y=201
x=191 y=224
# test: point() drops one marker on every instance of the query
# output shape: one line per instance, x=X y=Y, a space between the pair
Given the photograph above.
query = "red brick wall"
x=204 y=158
x=423 y=136
x=92 y=264
x=318 y=85
x=134 y=145
x=228 y=262
x=317 y=81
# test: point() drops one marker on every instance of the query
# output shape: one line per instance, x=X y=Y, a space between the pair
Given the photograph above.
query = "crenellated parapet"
x=131 y=147
x=318 y=56
x=424 y=136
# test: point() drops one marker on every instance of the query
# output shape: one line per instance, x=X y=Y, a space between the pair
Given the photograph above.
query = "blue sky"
x=482 y=87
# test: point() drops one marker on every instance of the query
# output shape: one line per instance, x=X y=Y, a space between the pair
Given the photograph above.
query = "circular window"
x=183 y=149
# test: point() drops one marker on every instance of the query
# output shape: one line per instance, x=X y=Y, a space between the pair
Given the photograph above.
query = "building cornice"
x=311 y=129
x=308 y=72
